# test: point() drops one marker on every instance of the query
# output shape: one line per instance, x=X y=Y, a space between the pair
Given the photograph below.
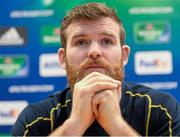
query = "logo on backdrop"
x=162 y=85
x=151 y=10
x=49 y=66
x=31 y=13
x=50 y=35
x=43 y=88
x=153 y=62
x=10 y=110
x=13 y=36
x=12 y=66
x=152 y=32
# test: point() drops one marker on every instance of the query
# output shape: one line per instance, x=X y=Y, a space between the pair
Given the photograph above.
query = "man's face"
x=93 y=46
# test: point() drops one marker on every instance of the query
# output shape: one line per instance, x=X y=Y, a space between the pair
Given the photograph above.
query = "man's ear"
x=61 y=56
x=125 y=54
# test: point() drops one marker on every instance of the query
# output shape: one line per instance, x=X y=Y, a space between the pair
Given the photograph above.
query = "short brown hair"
x=90 y=11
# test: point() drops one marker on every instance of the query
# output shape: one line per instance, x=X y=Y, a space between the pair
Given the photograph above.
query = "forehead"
x=88 y=27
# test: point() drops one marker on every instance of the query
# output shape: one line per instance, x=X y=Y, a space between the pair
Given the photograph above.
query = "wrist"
x=119 y=127
x=75 y=126
x=71 y=127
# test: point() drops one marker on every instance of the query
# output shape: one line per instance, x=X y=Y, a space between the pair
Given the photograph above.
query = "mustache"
x=94 y=62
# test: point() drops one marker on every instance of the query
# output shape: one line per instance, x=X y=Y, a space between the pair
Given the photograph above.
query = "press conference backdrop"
x=29 y=40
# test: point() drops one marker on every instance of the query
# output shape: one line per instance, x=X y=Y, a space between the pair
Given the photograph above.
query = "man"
x=98 y=101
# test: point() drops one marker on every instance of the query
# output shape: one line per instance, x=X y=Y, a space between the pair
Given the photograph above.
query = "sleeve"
x=165 y=118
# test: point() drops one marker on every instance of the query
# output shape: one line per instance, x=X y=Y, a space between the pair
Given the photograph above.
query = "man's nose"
x=94 y=50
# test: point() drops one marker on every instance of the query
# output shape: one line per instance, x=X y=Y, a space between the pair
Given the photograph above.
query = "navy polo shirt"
x=149 y=112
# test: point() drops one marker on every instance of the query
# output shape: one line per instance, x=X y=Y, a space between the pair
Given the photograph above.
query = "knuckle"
x=98 y=84
x=77 y=87
x=108 y=93
x=95 y=73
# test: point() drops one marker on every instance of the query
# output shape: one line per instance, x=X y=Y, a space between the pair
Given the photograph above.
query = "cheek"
x=75 y=56
x=114 y=56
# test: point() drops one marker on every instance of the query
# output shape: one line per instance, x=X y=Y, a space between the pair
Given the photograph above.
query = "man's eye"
x=106 y=42
x=81 y=43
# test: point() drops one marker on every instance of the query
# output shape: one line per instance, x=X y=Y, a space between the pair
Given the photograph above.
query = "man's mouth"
x=94 y=68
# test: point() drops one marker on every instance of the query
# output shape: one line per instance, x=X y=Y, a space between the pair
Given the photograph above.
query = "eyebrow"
x=84 y=35
x=107 y=34
x=79 y=35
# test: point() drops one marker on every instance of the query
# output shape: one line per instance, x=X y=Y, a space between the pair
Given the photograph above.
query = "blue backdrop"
x=29 y=40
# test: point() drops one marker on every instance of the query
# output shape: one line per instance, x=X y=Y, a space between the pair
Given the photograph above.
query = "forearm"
x=71 y=127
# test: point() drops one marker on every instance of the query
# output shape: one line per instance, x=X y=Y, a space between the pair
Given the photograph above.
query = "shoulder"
x=37 y=114
x=44 y=107
x=153 y=96
x=162 y=109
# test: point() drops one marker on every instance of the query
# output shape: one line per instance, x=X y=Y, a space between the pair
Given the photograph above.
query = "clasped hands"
x=96 y=96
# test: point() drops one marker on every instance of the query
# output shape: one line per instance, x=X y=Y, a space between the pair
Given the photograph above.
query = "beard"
x=76 y=73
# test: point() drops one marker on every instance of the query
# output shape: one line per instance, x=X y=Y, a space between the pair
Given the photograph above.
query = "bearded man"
x=98 y=102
